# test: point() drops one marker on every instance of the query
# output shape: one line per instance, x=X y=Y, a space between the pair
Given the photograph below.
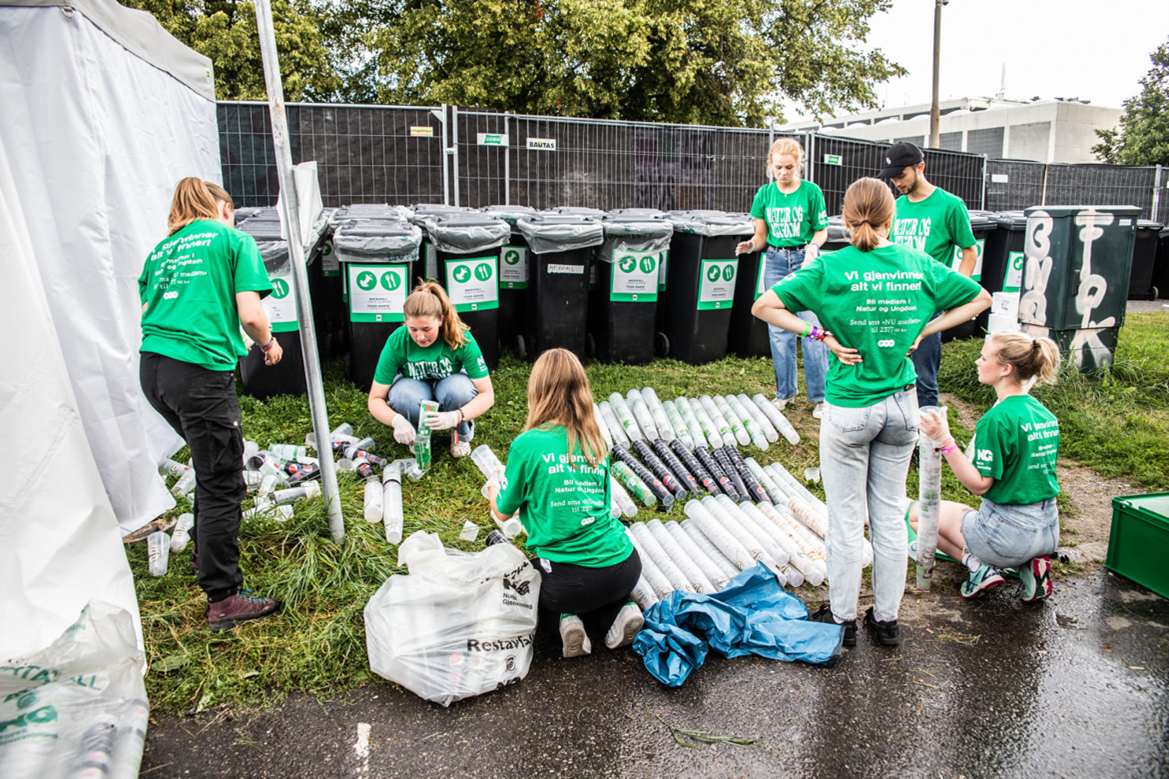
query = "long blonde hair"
x=1038 y=357
x=429 y=299
x=558 y=392
x=868 y=204
x=788 y=146
x=191 y=202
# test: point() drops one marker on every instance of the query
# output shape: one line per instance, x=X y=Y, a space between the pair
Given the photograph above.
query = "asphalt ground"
x=1074 y=687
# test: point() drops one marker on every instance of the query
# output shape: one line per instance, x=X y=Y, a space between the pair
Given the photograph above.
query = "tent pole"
x=304 y=309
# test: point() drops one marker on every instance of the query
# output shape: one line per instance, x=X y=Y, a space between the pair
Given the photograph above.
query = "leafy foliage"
x=1143 y=138
x=682 y=61
x=225 y=31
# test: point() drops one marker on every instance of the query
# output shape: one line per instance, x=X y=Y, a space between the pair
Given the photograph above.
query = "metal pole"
x=506 y=163
x=304 y=306
x=810 y=142
x=1156 y=195
x=446 y=186
x=985 y=173
x=455 y=146
x=935 y=109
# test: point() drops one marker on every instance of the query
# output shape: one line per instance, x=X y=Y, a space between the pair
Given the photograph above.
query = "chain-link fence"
x=1019 y=184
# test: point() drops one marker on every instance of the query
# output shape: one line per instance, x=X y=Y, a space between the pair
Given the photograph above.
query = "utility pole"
x=935 y=109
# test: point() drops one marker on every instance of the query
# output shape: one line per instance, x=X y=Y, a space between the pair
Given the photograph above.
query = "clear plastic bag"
x=77 y=707
x=459 y=625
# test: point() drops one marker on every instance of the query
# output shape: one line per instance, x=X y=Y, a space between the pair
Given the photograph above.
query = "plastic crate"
x=1139 y=542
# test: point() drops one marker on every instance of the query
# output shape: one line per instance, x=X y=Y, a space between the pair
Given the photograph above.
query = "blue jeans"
x=864 y=457
x=926 y=359
x=452 y=393
x=781 y=262
x=1010 y=536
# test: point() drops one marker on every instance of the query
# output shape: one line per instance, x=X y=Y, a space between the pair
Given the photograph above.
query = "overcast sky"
x=1095 y=51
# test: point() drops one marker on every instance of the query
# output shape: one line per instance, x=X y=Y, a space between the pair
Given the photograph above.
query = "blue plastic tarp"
x=751 y=616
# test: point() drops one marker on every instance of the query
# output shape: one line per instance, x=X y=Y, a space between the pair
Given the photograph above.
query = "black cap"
x=899 y=157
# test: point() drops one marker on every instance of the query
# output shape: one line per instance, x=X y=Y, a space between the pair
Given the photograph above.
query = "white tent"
x=101 y=113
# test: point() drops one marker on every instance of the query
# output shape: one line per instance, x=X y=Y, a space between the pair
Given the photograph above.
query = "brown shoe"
x=222 y=615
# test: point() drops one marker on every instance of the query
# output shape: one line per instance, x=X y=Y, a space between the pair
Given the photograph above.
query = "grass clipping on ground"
x=317 y=643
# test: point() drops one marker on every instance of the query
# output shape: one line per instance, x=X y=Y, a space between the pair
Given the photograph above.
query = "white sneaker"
x=818 y=411
x=625 y=627
x=781 y=403
x=573 y=636
x=459 y=448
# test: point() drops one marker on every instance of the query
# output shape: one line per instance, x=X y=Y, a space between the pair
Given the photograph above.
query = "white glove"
x=497 y=481
x=441 y=420
x=811 y=251
x=403 y=430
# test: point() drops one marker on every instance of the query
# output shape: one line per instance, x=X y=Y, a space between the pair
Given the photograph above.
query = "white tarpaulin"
x=101 y=114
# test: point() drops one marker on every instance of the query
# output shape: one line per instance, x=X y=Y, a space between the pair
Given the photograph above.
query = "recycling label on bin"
x=329 y=264
x=1014 y=278
x=979 y=245
x=472 y=284
x=513 y=268
x=663 y=267
x=376 y=292
x=634 y=277
x=280 y=306
x=716 y=290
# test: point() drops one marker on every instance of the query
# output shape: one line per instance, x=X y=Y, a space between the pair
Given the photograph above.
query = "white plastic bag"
x=459 y=625
x=77 y=707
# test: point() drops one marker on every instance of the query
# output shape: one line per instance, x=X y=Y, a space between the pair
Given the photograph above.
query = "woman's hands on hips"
x=843 y=353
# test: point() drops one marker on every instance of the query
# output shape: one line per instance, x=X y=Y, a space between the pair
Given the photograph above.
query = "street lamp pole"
x=935 y=110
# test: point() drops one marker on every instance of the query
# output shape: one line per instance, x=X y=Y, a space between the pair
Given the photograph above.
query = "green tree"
x=225 y=31
x=688 y=61
x=1143 y=138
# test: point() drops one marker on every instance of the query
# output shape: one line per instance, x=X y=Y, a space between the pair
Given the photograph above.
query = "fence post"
x=985 y=174
x=810 y=142
x=1156 y=195
x=1043 y=199
x=446 y=155
x=455 y=146
x=507 y=162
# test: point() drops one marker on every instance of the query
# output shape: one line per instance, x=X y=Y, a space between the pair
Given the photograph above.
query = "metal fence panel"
x=365 y=154
x=1013 y=185
x=1101 y=185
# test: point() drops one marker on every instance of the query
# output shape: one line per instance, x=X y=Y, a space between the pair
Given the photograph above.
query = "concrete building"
x=1056 y=130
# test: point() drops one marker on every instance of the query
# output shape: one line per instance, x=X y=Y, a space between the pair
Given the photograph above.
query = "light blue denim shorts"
x=1009 y=536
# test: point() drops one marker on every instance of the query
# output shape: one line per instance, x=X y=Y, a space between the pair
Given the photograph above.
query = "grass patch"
x=1115 y=421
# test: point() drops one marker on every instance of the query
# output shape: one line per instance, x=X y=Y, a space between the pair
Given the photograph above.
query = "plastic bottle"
x=374 y=507
x=182 y=532
x=287 y=452
x=495 y=537
x=353 y=451
x=392 y=501
x=422 y=440
x=364 y=469
x=366 y=444
x=158 y=552
x=344 y=428
x=310 y=489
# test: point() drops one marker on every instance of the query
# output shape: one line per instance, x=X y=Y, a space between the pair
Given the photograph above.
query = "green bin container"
x=1077 y=263
x=1139 y=541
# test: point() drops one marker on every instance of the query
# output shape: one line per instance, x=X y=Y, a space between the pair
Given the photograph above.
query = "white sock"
x=971 y=562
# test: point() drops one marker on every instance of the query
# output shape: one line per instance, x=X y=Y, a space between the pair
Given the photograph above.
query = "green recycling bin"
x=1077 y=263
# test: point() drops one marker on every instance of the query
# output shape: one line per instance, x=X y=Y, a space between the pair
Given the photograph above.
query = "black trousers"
x=202 y=407
x=593 y=594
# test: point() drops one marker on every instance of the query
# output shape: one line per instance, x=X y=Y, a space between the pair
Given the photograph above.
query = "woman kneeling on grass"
x=558 y=473
x=1016 y=445
x=877 y=298
x=434 y=357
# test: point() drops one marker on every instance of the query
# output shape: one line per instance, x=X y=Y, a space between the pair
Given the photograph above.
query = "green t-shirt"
x=566 y=507
x=437 y=361
x=876 y=302
x=189 y=283
x=792 y=219
x=934 y=225
x=1016 y=443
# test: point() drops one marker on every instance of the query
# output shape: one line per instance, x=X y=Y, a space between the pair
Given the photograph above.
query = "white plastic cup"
x=158 y=552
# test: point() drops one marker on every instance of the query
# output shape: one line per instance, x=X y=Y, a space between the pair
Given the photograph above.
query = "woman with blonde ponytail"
x=1015 y=451
x=558 y=475
x=874 y=299
x=433 y=357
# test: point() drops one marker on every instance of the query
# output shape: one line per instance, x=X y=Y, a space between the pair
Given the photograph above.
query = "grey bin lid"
x=636 y=212
x=273 y=248
x=250 y=212
x=982 y=220
x=576 y=210
x=837 y=231
x=1148 y=224
x=377 y=240
x=1011 y=220
x=467 y=233
x=713 y=223
x=509 y=214
x=423 y=211
x=636 y=233
x=380 y=211
x=547 y=232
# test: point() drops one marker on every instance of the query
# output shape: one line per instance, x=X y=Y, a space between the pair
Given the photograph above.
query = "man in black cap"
x=933 y=221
